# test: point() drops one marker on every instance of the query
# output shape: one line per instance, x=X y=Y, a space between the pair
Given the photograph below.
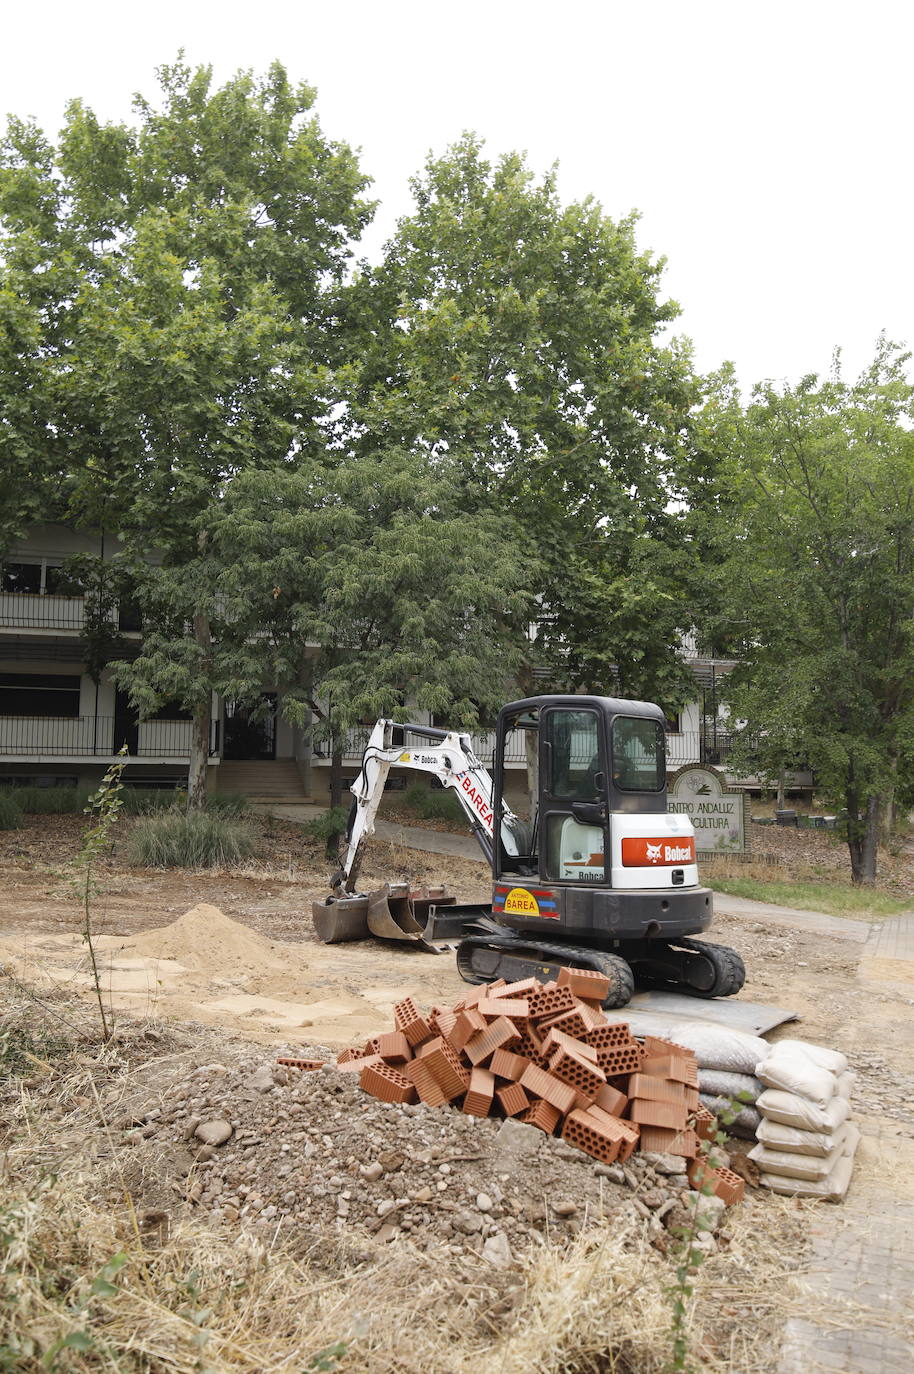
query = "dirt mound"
x=206 y=940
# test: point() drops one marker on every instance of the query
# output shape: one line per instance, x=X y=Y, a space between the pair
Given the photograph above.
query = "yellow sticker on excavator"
x=404 y=758
x=519 y=902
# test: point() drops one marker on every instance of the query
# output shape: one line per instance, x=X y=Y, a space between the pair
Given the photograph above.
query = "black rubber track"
x=536 y=955
x=726 y=968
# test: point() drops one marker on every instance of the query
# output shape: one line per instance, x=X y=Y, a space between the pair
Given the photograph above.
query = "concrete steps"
x=275 y=781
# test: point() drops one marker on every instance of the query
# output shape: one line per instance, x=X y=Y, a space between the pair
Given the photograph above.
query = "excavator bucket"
x=390 y=913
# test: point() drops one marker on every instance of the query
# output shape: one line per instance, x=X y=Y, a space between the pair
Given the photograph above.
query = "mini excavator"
x=590 y=871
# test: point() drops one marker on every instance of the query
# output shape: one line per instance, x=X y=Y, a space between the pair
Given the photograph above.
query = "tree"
x=819 y=533
x=519 y=337
x=366 y=588
x=183 y=275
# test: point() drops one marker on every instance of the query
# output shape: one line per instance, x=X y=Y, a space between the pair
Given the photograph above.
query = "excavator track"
x=483 y=958
x=691 y=966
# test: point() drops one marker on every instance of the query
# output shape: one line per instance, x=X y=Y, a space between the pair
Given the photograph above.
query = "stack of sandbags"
x=806 y=1140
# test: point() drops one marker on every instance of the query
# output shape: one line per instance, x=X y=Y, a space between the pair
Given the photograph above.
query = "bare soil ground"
x=246 y=971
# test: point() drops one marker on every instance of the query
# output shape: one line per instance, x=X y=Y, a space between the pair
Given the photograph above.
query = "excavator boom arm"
x=449 y=757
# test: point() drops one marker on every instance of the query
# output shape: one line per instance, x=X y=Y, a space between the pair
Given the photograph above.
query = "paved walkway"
x=815 y=922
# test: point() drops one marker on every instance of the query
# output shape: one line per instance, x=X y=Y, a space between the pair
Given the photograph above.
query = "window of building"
x=39 y=694
x=21 y=577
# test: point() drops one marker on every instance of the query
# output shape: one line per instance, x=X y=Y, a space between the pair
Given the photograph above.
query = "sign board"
x=717 y=812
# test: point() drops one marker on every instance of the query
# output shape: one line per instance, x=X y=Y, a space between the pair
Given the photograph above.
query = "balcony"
x=43 y=611
x=47 y=738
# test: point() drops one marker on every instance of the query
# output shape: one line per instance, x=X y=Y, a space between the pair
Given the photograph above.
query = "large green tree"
x=522 y=338
x=184 y=278
x=364 y=590
x=816 y=522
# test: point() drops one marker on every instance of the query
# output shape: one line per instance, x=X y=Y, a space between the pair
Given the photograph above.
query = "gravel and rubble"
x=278 y=1150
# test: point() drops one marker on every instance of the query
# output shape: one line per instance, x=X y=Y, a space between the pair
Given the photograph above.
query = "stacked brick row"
x=545 y=1054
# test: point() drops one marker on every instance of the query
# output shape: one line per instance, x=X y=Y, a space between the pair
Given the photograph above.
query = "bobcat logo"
x=653 y=853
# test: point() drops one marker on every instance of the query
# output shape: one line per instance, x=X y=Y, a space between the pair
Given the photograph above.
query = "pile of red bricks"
x=545 y=1054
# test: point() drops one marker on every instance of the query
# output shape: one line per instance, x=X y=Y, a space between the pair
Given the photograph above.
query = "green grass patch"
x=200 y=839
x=10 y=813
x=835 y=899
x=432 y=803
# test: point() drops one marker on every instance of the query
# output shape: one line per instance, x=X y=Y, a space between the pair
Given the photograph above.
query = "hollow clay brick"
x=592 y=1135
x=360 y=1062
x=506 y=1064
x=570 y=1022
x=611 y=1100
x=498 y=1035
x=621 y=1059
x=513 y=1099
x=542 y=1114
x=679 y=1070
x=449 y=1073
x=523 y=988
x=655 y=1045
x=609 y=1035
x=426 y=1084
x=442 y=1021
x=705 y=1123
x=591 y=1014
x=394 y=1047
x=372 y=1046
x=468 y=1023
x=572 y=1068
x=409 y=1020
x=555 y=1038
x=428 y=1045
x=724 y=1183
x=672 y=1115
x=484 y=990
x=651 y=1089
x=539 y=1083
x=517 y=1008
x=666 y=1142
x=478 y=1101
x=584 y=982
x=307 y=1065
x=345 y=1055
x=386 y=1083
x=550 y=1001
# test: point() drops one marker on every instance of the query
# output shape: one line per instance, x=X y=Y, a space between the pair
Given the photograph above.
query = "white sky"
x=767 y=145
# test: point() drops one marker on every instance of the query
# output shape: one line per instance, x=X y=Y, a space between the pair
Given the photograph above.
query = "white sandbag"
x=844 y=1085
x=794 y=1072
x=746 y=1122
x=775 y=1136
x=800 y=1166
x=716 y=1047
x=832 y=1188
x=833 y=1060
x=799 y=1112
x=719 y=1083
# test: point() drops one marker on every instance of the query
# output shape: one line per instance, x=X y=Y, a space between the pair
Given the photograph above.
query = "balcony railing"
x=55 y=737
x=39 y=611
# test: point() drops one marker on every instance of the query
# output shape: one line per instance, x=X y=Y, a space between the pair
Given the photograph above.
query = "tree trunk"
x=336 y=777
x=863 y=841
x=782 y=790
x=200 y=736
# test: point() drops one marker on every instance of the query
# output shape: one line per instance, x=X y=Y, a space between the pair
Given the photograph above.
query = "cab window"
x=574 y=737
x=638 y=755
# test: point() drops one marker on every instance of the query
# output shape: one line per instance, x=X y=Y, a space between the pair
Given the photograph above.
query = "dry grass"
x=141 y=1290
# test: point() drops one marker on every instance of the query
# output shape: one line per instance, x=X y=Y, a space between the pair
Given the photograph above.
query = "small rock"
x=665 y=1164
x=386 y=1205
x=468 y=1223
x=372 y=1172
x=213 y=1132
x=484 y=1202
x=564 y=1207
x=610 y=1171
x=497 y=1250
x=423 y=1195
x=262 y=1080
x=392 y=1160
x=387 y=1232
x=517 y=1139
x=654 y=1198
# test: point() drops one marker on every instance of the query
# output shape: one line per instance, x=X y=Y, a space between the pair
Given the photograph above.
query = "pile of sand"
x=207 y=941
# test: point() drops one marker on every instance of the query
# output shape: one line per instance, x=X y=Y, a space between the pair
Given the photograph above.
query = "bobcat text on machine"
x=590 y=870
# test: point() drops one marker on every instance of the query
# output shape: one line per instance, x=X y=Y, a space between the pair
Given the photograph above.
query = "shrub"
x=199 y=839
x=228 y=803
x=432 y=803
x=49 y=801
x=10 y=813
